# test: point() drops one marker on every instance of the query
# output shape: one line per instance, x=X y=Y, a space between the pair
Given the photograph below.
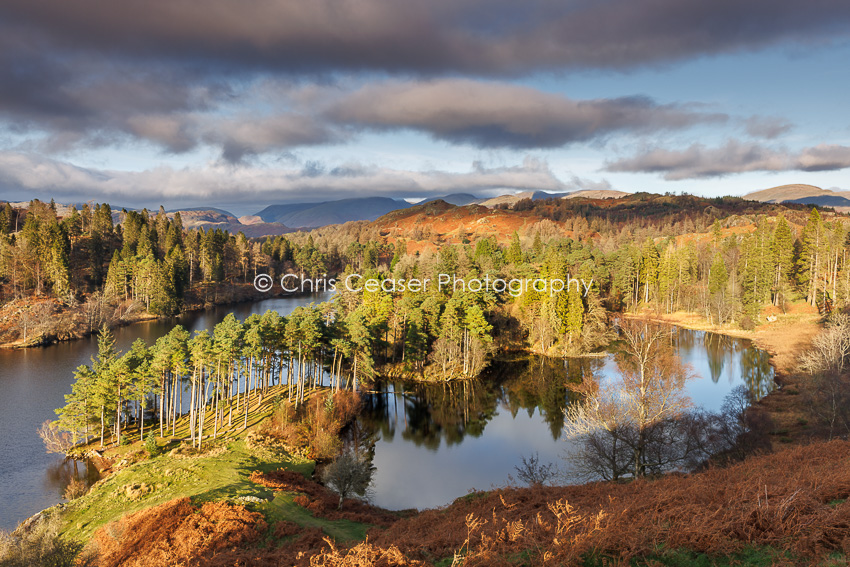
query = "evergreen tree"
x=809 y=262
x=79 y=414
x=6 y=218
x=649 y=268
x=514 y=253
x=104 y=393
x=782 y=248
x=575 y=315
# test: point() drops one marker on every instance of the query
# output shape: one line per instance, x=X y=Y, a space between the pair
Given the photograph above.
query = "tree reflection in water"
x=756 y=372
x=431 y=414
x=59 y=475
x=717 y=348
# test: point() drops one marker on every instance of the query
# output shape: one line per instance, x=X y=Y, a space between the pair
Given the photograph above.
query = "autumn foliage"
x=314 y=427
x=793 y=501
x=321 y=501
x=177 y=533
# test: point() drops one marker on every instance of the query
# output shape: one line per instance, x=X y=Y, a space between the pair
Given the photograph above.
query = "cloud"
x=768 y=127
x=488 y=37
x=28 y=176
x=698 y=161
x=270 y=116
x=500 y=115
x=252 y=135
x=263 y=76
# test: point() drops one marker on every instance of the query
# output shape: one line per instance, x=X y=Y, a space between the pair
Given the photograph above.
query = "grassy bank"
x=768 y=510
x=221 y=471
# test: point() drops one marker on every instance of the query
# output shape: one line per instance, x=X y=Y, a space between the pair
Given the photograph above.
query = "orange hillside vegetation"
x=793 y=501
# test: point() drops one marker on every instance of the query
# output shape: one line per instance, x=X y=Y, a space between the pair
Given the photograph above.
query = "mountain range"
x=283 y=218
x=313 y=215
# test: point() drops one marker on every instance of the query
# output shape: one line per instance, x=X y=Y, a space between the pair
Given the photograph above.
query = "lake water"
x=434 y=443
x=34 y=382
x=431 y=443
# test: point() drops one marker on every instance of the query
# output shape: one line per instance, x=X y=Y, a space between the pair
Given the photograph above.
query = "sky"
x=239 y=105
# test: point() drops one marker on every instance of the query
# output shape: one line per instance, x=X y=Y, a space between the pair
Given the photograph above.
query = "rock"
x=136 y=491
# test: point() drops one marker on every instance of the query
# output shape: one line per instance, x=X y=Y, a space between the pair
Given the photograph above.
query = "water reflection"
x=428 y=415
x=59 y=474
x=715 y=348
x=432 y=413
x=756 y=372
x=34 y=383
x=447 y=438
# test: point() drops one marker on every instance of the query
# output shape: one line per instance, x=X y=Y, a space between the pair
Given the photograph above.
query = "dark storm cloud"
x=178 y=117
x=249 y=135
x=499 y=115
x=472 y=36
x=180 y=74
x=76 y=100
x=699 y=161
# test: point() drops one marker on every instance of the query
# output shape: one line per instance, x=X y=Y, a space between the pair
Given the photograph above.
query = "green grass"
x=257 y=413
x=283 y=507
x=222 y=475
x=472 y=496
x=203 y=479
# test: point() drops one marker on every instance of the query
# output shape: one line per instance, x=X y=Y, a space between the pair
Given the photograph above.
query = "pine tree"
x=537 y=247
x=649 y=268
x=79 y=412
x=809 y=262
x=6 y=216
x=400 y=251
x=782 y=248
x=575 y=317
x=103 y=391
x=514 y=253
x=719 y=276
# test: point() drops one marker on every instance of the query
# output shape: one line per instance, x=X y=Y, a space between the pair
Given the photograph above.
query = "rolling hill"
x=211 y=218
x=513 y=199
x=314 y=215
x=803 y=194
x=596 y=194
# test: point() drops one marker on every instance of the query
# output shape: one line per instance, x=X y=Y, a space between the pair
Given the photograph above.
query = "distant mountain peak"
x=803 y=194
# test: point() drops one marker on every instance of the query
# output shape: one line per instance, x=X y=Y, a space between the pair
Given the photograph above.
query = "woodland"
x=733 y=263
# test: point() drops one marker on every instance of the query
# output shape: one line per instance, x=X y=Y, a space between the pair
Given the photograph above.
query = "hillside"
x=596 y=194
x=803 y=194
x=427 y=226
x=312 y=215
x=459 y=199
x=766 y=510
x=211 y=218
x=512 y=199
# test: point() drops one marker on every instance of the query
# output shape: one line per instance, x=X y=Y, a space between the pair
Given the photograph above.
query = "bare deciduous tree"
x=827 y=389
x=622 y=416
x=830 y=349
x=347 y=475
x=534 y=473
x=55 y=440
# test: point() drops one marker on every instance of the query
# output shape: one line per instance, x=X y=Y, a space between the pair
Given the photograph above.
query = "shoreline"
x=55 y=336
x=782 y=339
